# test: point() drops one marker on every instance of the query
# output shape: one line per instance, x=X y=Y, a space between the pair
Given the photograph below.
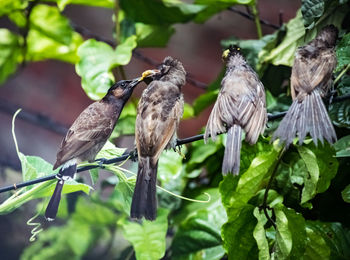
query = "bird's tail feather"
x=231 y=162
x=306 y=116
x=64 y=173
x=144 y=200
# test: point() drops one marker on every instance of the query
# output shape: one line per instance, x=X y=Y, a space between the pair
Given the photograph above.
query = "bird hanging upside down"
x=240 y=106
x=310 y=81
x=89 y=133
x=158 y=116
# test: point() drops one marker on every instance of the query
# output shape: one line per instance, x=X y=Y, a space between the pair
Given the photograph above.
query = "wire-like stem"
x=342 y=73
x=255 y=12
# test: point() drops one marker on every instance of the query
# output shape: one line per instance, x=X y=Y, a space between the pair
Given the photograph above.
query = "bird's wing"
x=159 y=112
x=94 y=125
x=309 y=73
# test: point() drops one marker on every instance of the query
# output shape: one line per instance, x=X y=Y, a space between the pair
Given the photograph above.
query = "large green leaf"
x=205 y=100
x=126 y=121
x=336 y=236
x=9 y=6
x=49 y=22
x=147 y=238
x=10 y=53
x=96 y=61
x=153 y=35
x=311 y=10
x=50 y=36
x=290 y=235
x=259 y=234
x=342 y=147
x=237 y=234
x=316 y=248
x=159 y=12
x=343 y=52
x=199 y=230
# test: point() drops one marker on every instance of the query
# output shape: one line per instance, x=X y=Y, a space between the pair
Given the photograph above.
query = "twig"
x=268 y=187
x=255 y=12
x=33 y=117
x=251 y=17
x=341 y=74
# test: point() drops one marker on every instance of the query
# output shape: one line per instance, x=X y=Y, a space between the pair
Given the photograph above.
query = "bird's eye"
x=123 y=85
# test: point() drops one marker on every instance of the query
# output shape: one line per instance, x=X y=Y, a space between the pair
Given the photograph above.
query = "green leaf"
x=122 y=196
x=346 y=194
x=205 y=100
x=126 y=121
x=199 y=230
x=342 y=147
x=336 y=237
x=316 y=248
x=237 y=233
x=153 y=35
x=40 y=47
x=9 y=6
x=202 y=151
x=340 y=113
x=260 y=235
x=343 y=52
x=311 y=10
x=10 y=53
x=283 y=54
x=211 y=8
x=110 y=151
x=188 y=111
x=291 y=233
x=159 y=12
x=49 y=22
x=96 y=61
x=98 y=3
x=147 y=238
x=311 y=179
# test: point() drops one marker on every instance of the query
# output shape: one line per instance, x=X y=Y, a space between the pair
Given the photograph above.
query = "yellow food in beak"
x=225 y=54
x=148 y=73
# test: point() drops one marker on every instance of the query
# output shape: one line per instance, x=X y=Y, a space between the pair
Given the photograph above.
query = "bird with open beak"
x=310 y=81
x=240 y=106
x=158 y=115
x=89 y=133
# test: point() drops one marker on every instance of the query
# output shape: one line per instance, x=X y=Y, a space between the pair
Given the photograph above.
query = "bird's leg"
x=134 y=155
x=177 y=148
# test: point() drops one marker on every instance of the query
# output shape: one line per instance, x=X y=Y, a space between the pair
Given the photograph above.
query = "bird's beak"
x=135 y=82
x=149 y=73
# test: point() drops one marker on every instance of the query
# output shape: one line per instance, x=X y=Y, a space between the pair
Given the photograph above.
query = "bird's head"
x=149 y=75
x=231 y=51
x=327 y=36
x=171 y=70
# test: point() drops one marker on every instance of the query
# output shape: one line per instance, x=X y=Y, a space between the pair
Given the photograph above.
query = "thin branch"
x=251 y=17
x=124 y=157
x=33 y=117
x=255 y=12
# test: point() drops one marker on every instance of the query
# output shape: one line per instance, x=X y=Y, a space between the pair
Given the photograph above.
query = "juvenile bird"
x=310 y=81
x=158 y=116
x=240 y=106
x=88 y=134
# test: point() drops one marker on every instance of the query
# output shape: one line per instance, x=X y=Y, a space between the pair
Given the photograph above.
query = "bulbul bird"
x=310 y=81
x=240 y=106
x=158 y=115
x=89 y=133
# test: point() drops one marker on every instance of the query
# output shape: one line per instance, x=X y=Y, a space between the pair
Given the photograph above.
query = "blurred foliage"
x=295 y=188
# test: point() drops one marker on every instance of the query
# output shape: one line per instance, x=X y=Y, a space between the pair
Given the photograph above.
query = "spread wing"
x=94 y=125
x=309 y=73
x=159 y=112
x=241 y=101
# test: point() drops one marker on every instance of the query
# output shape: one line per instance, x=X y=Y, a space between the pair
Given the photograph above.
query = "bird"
x=240 y=106
x=89 y=133
x=311 y=79
x=158 y=115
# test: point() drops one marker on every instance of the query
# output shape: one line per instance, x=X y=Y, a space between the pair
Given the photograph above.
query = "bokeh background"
x=52 y=89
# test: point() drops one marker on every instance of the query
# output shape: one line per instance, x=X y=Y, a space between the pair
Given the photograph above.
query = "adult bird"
x=88 y=134
x=310 y=81
x=240 y=106
x=158 y=115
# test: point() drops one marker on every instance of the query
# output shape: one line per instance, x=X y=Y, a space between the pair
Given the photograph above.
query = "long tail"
x=232 y=156
x=65 y=173
x=144 y=200
x=306 y=116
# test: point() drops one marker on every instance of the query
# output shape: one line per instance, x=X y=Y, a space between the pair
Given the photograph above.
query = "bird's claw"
x=101 y=161
x=177 y=149
x=133 y=155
